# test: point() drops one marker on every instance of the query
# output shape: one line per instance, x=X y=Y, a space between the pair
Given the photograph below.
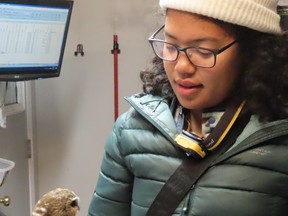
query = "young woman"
x=212 y=57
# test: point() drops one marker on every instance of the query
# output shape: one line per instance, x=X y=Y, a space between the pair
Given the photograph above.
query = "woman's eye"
x=170 y=48
x=202 y=53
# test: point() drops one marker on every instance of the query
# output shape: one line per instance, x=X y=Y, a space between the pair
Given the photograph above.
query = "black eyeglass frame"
x=152 y=39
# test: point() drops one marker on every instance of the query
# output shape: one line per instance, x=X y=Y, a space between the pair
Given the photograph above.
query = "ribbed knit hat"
x=260 y=15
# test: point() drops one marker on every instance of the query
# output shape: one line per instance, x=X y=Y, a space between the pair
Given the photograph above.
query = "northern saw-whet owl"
x=58 y=202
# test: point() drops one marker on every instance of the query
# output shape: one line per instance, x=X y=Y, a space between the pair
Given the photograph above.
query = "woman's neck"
x=196 y=122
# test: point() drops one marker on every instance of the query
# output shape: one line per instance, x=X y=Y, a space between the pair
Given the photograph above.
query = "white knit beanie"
x=260 y=15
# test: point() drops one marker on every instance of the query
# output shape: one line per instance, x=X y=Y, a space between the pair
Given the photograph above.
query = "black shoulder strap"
x=188 y=173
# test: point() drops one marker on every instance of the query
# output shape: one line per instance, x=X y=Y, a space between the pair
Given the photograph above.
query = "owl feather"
x=58 y=202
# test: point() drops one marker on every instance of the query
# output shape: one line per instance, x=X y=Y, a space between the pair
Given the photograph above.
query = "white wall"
x=283 y=2
x=74 y=113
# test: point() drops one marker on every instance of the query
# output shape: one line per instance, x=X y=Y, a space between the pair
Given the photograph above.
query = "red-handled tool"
x=115 y=52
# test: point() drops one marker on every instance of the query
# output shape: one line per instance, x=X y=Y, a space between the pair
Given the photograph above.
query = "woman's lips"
x=187 y=87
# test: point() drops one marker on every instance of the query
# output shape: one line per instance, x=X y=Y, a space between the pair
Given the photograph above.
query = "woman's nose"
x=184 y=65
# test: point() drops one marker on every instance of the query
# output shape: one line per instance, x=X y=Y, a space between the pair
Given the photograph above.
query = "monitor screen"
x=33 y=34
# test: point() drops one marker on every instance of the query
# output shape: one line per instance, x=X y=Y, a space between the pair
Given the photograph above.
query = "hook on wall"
x=79 y=50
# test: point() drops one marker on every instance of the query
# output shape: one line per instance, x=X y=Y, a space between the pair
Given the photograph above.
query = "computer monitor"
x=33 y=35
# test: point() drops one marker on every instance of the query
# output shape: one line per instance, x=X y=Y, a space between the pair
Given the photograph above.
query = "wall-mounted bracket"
x=79 y=50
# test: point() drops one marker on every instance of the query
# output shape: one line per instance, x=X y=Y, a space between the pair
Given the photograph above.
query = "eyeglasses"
x=198 y=56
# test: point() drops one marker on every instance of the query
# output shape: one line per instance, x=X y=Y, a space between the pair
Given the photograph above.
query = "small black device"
x=33 y=35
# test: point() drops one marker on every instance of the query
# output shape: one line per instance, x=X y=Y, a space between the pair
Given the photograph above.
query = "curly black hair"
x=263 y=81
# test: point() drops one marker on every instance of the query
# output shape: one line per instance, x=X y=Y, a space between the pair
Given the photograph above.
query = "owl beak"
x=75 y=203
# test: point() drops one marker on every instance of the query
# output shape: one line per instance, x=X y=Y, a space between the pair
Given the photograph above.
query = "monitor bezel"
x=34 y=73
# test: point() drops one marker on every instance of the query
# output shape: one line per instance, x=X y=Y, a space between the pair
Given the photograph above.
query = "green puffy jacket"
x=251 y=179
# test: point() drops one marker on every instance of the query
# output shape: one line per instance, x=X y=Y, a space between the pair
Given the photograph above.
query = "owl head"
x=58 y=202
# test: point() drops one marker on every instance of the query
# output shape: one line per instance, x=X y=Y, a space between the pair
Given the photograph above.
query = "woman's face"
x=198 y=88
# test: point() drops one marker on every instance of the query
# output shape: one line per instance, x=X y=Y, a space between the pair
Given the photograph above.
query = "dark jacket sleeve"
x=114 y=187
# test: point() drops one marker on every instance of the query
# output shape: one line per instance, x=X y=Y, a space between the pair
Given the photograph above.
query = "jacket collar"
x=256 y=133
x=156 y=110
